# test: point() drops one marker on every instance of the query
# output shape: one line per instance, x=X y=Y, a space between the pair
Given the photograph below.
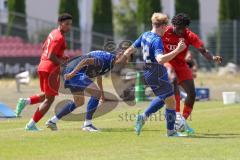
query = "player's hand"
x=69 y=76
x=123 y=60
x=102 y=99
x=181 y=46
x=217 y=59
x=65 y=59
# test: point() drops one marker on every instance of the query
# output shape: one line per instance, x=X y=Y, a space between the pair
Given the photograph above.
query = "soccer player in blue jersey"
x=78 y=76
x=155 y=73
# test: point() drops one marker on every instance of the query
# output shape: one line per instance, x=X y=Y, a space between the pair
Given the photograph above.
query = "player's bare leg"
x=177 y=95
x=41 y=111
x=78 y=98
x=179 y=126
x=189 y=88
x=173 y=78
x=23 y=102
x=95 y=94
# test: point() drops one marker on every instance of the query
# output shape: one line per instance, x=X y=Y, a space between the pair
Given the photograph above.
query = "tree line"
x=128 y=18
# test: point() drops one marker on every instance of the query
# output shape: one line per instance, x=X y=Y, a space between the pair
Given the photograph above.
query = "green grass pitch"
x=217 y=137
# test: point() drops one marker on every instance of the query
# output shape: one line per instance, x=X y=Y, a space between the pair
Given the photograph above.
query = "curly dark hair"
x=181 y=19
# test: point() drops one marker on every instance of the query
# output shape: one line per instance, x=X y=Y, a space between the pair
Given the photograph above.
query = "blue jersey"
x=102 y=64
x=151 y=45
x=155 y=74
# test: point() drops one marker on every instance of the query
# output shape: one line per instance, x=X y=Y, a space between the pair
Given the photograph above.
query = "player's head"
x=159 y=23
x=122 y=47
x=180 y=22
x=65 y=22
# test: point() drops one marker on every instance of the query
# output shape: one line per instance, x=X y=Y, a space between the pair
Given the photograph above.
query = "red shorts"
x=49 y=83
x=183 y=72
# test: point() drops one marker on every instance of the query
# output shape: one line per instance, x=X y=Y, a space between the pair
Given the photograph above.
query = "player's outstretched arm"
x=209 y=56
x=124 y=58
x=83 y=63
x=161 y=59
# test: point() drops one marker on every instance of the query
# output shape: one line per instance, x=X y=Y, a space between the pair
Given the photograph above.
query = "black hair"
x=65 y=16
x=112 y=46
x=181 y=19
x=124 y=45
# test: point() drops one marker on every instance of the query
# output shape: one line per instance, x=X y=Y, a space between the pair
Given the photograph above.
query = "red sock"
x=37 y=116
x=177 y=98
x=35 y=99
x=187 y=111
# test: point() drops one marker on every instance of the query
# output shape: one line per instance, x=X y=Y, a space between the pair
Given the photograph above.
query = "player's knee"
x=79 y=102
x=97 y=94
x=49 y=99
x=170 y=102
x=42 y=97
x=192 y=95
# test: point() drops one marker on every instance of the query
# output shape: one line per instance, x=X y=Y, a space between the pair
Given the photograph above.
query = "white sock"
x=144 y=117
x=54 y=119
x=27 y=100
x=178 y=114
x=87 y=122
x=31 y=122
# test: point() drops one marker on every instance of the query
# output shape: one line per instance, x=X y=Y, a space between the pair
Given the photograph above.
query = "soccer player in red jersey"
x=49 y=71
x=175 y=33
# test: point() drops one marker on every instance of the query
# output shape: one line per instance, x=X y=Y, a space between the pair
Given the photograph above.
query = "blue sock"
x=154 y=106
x=69 y=107
x=170 y=118
x=91 y=107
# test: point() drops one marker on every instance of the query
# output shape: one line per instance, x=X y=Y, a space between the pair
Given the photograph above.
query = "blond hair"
x=159 y=19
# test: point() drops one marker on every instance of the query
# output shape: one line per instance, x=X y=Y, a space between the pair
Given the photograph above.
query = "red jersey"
x=55 y=44
x=170 y=42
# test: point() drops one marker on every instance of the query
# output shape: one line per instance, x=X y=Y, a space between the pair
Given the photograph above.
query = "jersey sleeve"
x=137 y=43
x=158 y=48
x=195 y=40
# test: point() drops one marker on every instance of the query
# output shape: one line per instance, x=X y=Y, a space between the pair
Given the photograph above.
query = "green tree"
x=229 y=10
x=16 y=17
x=102 y=17
x=102 y=21
x=124 y=20
x=190 y=7
x=71 y=7
x=145 y=9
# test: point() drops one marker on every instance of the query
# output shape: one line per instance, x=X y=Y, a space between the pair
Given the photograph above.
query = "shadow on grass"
x=127 y=130
x=216 y=135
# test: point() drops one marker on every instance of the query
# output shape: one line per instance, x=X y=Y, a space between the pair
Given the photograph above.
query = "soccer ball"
x=179 y=123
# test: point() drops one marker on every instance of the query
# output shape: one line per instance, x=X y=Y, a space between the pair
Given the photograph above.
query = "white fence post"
x=235 y=41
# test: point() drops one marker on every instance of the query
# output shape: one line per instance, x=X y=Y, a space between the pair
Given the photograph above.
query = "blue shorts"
x=156 y=77
x=78 y=83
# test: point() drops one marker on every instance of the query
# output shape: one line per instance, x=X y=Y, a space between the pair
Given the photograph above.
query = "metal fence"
x=38 y=29
x=224 y=40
